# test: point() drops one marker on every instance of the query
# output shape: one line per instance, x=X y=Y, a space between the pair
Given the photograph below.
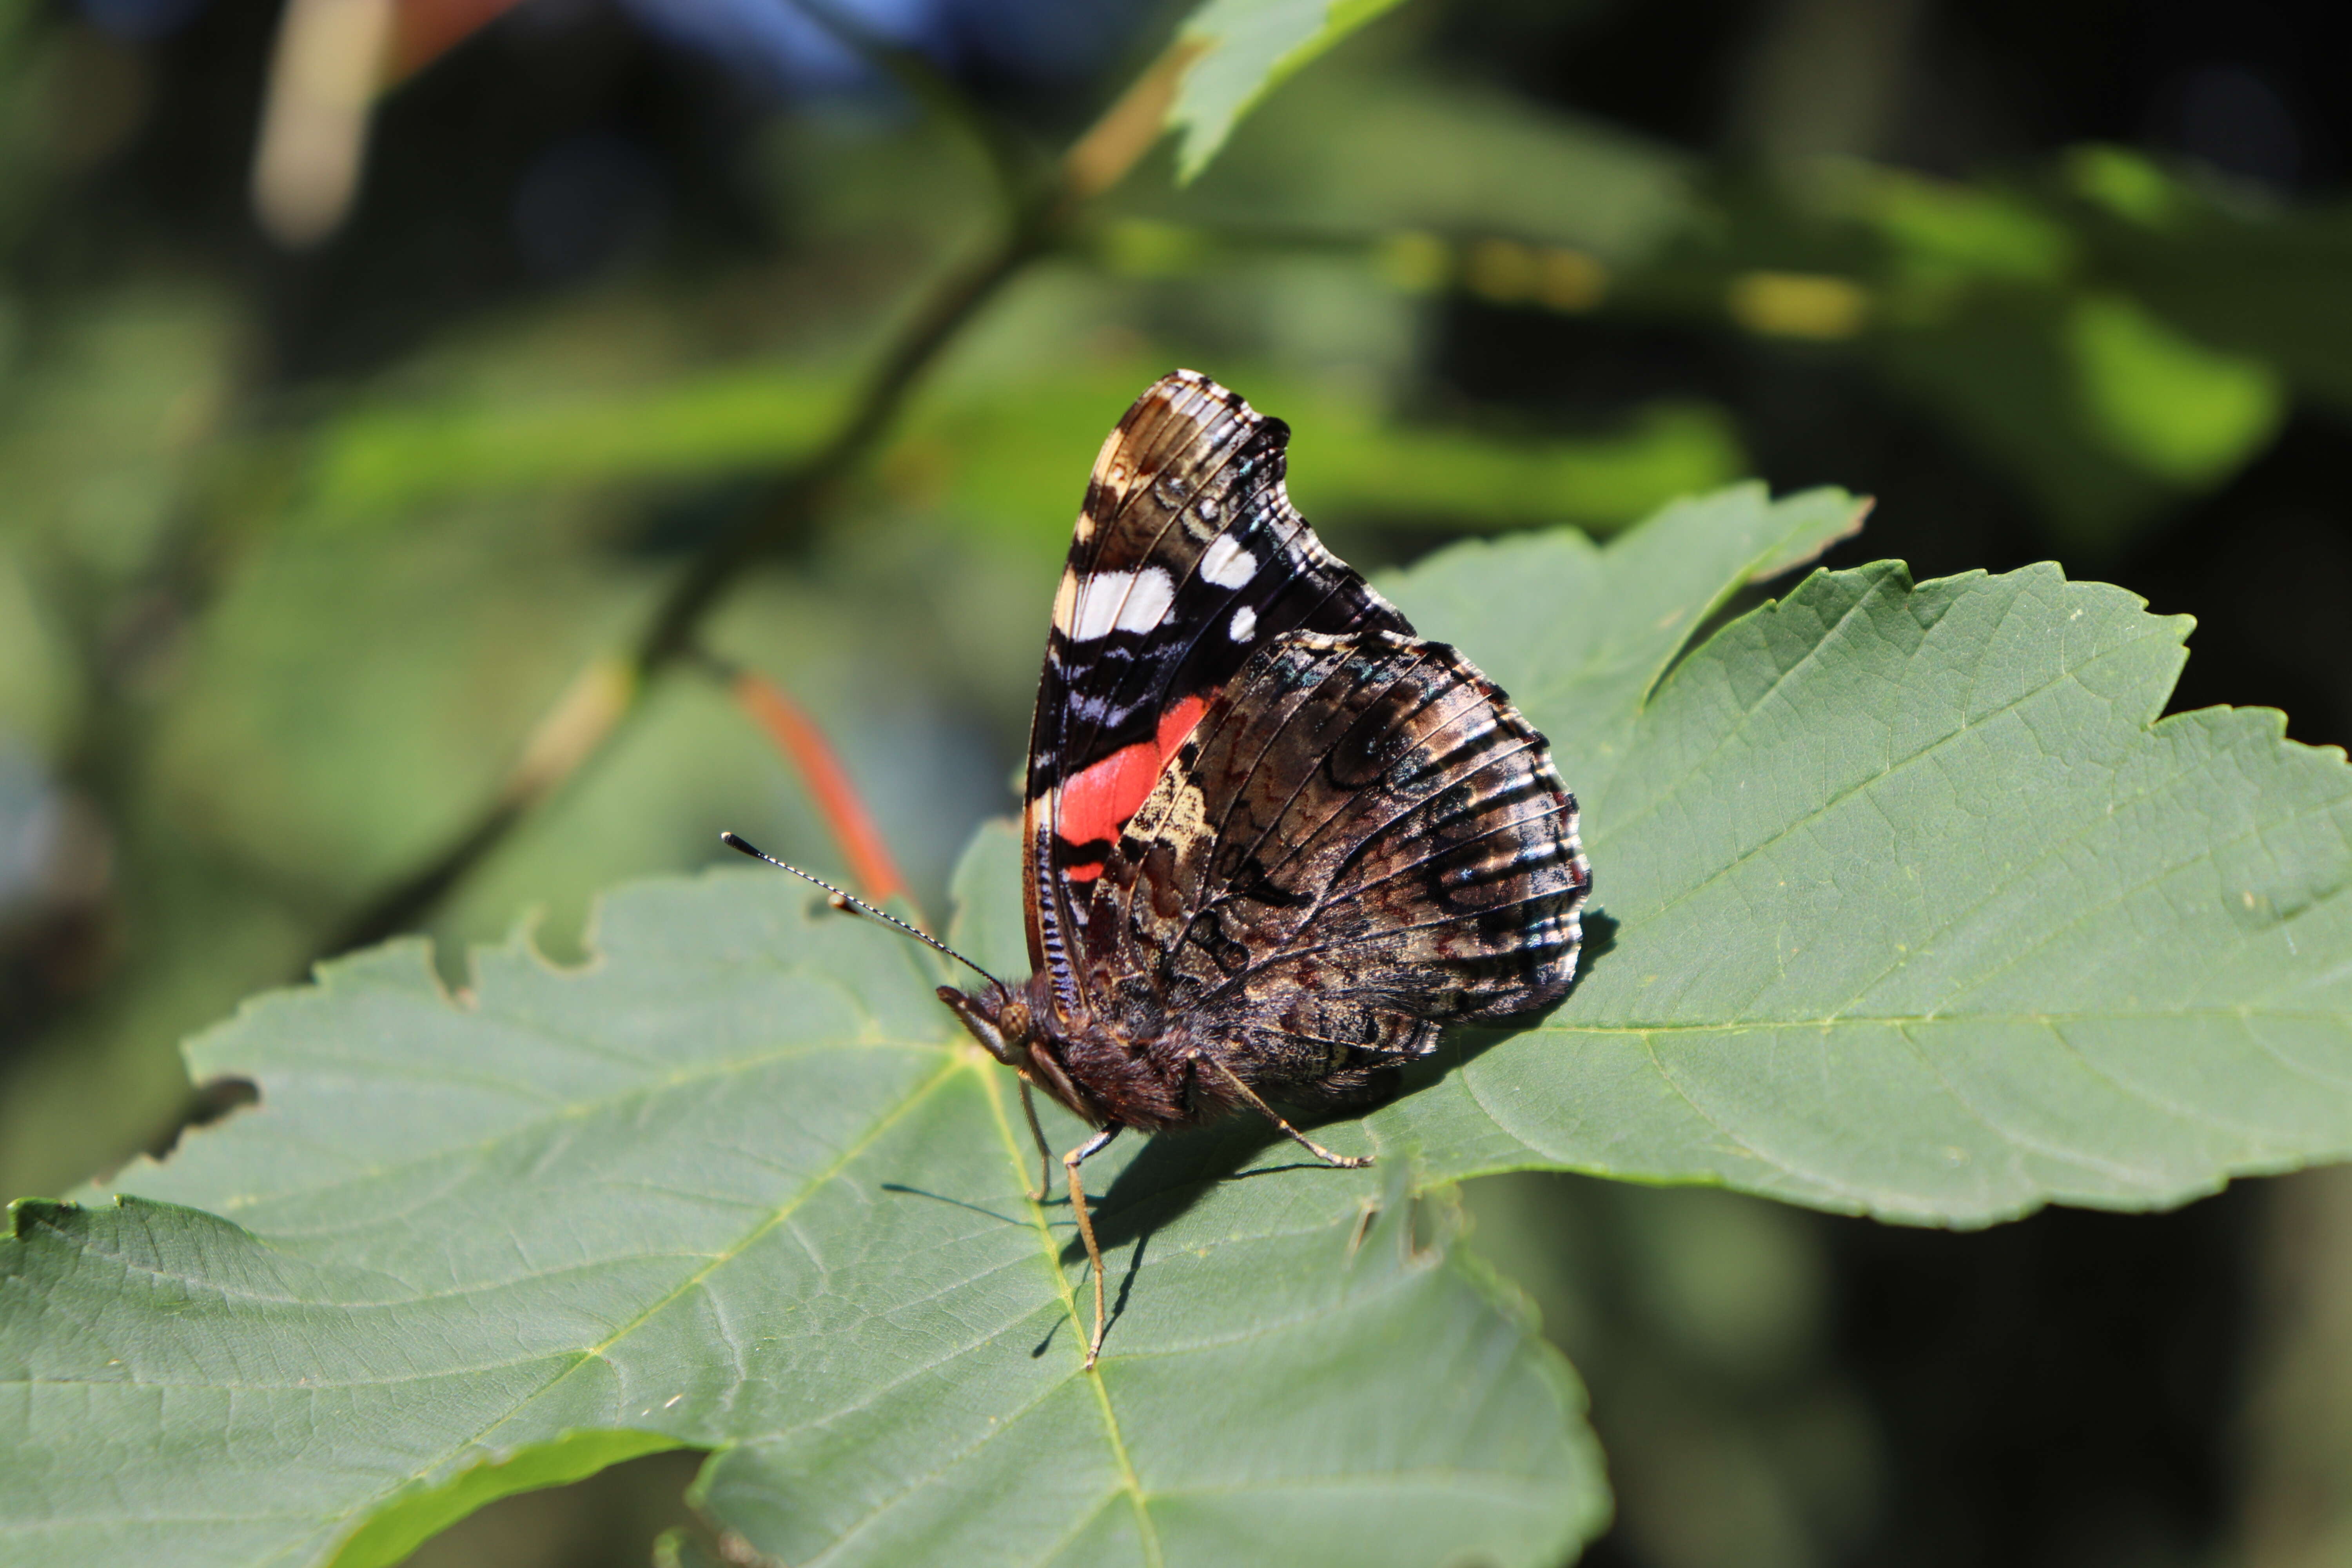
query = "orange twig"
x=797 y=736
x=424 y=30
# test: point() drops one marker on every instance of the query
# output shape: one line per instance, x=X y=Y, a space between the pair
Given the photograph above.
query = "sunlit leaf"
x=735 y=1186
x=375 y=461
x=1912 y=906
x=2176 y=408
x=1941 y=231
x=2264 y=284
x=1002 y=463
x=2003 y=377
x=1248 y=48
x=1384 y=149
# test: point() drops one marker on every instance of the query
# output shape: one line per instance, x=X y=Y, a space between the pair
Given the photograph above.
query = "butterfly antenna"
x=849 y=903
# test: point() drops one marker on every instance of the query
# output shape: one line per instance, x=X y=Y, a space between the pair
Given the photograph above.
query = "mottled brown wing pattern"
x=1188 y=557
x=1361 y=842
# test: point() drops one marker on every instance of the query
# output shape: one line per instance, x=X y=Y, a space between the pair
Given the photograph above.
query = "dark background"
x=246 y=690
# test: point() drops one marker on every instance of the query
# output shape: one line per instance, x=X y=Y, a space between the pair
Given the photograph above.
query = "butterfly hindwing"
x=1361 y=842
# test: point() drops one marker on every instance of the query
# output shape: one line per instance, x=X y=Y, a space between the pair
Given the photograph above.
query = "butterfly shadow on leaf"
x=1171 y=1173
x=1168 y=1176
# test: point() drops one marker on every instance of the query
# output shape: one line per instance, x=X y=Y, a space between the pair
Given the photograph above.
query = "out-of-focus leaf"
x=2177 y=409
x=1364 y=153
x=1247 y=48
x=737 y=1185
x=353 y=697
x=1010 y=455
x=1016 y=467
x=2125 y=183
x=102 y=425
x=2104 y=413
x=1941 y=231
x=1913 y=907
x=1455 y=479
x=2002 y=374
x=378 y=461
x=2264 y=285
x=38 y=682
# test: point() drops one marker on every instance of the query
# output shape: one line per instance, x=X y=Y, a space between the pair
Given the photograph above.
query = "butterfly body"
x=1275 y=841
x=1138 y=1072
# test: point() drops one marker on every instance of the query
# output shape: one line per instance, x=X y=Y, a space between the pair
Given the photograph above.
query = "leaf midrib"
x=1147 y=1529
x=1873 y=1198
x=2243 y=1011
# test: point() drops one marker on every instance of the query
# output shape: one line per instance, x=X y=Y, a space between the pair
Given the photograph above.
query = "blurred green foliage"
x=273 y=629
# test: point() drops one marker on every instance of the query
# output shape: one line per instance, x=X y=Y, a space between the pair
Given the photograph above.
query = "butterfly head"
x=998 y=1018
x=1018 y=1026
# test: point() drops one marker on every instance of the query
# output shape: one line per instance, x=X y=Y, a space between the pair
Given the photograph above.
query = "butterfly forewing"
x=1187 y=559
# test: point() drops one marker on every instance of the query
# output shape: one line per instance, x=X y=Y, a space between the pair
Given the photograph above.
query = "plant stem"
x=584 y=719
x=579 y=726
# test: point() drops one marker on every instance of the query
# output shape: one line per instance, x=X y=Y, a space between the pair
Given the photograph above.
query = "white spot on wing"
x=1226 y=564
x=1245 y=623
x=1066 y=600
x=1102 y=711
x=1111 y=602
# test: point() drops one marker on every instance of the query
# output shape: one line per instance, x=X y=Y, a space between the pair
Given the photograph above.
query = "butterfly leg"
x=1045 y=1155
x=1345 y=1161
x=1070 y=1163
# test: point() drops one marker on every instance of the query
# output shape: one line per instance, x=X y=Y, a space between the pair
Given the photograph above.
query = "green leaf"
x=2015 y=379
x=1247 y=48
x=1939 y=231
x=999 y=466
x=735 y=1185
x=2176 y=408
x=1368 y=147
x=1908 y=904
x=2265 y=284
x=382 y=459
x=1913 y=907
x=390 y=1536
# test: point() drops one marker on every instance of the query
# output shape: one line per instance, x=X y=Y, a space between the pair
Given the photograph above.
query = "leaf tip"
x=26 y=1214
x=1808 y=541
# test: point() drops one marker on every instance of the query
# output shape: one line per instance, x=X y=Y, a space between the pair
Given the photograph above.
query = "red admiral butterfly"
x=1275 y=842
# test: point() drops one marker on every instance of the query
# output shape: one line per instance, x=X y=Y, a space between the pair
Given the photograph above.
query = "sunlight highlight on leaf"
x=1249 y=48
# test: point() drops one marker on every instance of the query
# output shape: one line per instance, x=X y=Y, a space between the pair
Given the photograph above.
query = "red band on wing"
x=1096 y=802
